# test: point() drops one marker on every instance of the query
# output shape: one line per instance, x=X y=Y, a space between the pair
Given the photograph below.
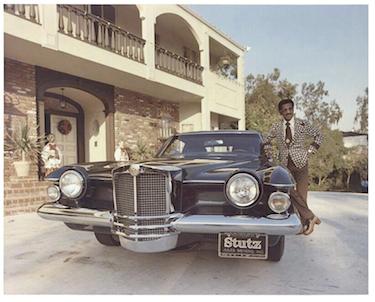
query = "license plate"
x=243 y=245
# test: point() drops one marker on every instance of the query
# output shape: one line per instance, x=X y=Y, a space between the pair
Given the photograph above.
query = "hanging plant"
x=64 y=127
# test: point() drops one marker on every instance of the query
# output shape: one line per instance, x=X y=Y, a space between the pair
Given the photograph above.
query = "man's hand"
x=312 y=150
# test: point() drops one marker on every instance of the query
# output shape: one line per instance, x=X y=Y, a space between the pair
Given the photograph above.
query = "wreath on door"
x=64 y=127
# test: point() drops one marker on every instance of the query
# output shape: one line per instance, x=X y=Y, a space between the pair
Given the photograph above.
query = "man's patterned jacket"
x=297 y=150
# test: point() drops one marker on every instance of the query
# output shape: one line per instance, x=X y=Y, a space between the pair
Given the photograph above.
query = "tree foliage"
x=362 y=112
x=263 y=93
x=328 y=158
x=356 y=159
x=317 y=111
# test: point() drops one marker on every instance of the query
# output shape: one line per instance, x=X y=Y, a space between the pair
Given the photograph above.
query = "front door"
x=65 y=130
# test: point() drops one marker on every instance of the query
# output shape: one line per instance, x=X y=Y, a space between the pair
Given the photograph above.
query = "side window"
x=175 y=149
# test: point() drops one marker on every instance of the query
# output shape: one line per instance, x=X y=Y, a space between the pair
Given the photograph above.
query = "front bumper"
x=205 y=224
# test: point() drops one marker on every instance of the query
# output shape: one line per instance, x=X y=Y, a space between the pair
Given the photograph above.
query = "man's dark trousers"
x=299 y=196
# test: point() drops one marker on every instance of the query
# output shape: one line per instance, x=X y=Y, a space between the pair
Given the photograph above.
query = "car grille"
x=141 y=201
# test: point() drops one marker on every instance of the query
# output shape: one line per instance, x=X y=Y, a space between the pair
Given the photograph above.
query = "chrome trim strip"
x=114 y=191
x=170 y=216
x=136 y=236
x=102 y=178
x=52 y=178
x=83 y=216
x=214 y=224
x=135 y=199
x=204 y=181
x=142 y=227
x=168 y=192
x=163 y=168
x=135 y=194
x=280 y=185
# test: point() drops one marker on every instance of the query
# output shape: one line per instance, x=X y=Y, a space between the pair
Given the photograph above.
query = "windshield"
x=213 y=144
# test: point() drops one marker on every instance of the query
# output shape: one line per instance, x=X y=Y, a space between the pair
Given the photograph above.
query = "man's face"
x=287 y=111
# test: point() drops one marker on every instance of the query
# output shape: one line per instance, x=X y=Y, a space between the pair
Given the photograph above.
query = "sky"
x=307 y=43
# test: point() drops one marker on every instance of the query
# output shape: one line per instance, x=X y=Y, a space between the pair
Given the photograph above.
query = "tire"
x=276 y=252
x=107 y=239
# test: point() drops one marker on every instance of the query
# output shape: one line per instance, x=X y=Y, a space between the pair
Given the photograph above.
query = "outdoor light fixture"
x=62 y=100
x=225 y=60
x=165 y=121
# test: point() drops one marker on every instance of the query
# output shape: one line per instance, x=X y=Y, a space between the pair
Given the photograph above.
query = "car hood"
x=207 y=168
x=188 y=169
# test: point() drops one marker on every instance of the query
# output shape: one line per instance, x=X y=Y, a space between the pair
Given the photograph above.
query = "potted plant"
x=141 y=152
x=25 y=146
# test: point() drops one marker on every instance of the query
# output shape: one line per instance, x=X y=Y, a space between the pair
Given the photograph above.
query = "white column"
x=206 y=114
x=241 y=123
x=148 y=34
x=49 y=18
x=240 y=69
x=205 y=55
x=205 y=62
x=241 y=80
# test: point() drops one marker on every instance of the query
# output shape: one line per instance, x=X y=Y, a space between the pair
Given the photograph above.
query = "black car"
x=200 y=186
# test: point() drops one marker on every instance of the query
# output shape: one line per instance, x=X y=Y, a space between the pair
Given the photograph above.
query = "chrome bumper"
x=83 y=216
x=204 y=224
x=212 y=224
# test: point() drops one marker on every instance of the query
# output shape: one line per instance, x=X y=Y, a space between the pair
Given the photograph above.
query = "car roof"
x=230 y=131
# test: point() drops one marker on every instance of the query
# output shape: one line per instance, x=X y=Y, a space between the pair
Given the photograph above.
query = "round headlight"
x=53 y=193
x=242 y=189
x=279 y=202
x=71 y=184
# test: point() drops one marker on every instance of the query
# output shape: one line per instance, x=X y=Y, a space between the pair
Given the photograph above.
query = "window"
x=106 y=12
x=183 y=146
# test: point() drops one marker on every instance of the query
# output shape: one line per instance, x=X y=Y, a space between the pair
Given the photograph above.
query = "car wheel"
x=276 y=252
x=107 y=239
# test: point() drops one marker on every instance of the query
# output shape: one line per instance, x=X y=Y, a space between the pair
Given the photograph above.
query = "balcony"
x=84 y=26
x=178 y=65
x=28 y=12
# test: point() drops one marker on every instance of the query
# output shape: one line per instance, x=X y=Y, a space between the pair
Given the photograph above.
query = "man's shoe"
x=312 y=222
x=303 y=229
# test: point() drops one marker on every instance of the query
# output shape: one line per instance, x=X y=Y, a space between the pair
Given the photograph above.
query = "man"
x=291 y=135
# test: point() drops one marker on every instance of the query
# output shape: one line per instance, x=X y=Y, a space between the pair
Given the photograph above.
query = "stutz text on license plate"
x=243 y=245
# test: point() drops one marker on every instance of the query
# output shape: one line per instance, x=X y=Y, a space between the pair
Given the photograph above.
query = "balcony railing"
x=177 y=65
x=89 y=28
x=26 y=11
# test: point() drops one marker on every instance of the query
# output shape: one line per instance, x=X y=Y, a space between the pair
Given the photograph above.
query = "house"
x=95 y=75
x=353 y=139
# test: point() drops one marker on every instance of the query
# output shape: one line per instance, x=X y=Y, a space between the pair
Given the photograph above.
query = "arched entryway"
x=87 y=109
x=86 y=140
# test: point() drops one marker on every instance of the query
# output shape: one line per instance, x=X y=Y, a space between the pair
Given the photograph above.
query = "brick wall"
x=21 y=194
x=137 y=118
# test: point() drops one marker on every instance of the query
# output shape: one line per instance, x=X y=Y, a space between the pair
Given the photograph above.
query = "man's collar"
x=291 y=121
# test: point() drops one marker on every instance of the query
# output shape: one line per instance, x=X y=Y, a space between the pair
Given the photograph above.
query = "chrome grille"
x=124 y=190
x=142 y=196
x=151 y=195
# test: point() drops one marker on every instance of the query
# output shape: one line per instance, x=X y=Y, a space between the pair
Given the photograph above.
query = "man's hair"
x=285 y=101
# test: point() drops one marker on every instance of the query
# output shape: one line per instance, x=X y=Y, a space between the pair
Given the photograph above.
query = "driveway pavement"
x=45 y=257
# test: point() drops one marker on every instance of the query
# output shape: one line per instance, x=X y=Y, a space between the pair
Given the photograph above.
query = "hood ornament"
x=134 y=169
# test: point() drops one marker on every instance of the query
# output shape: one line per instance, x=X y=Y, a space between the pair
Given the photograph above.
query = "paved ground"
x=45 y=257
